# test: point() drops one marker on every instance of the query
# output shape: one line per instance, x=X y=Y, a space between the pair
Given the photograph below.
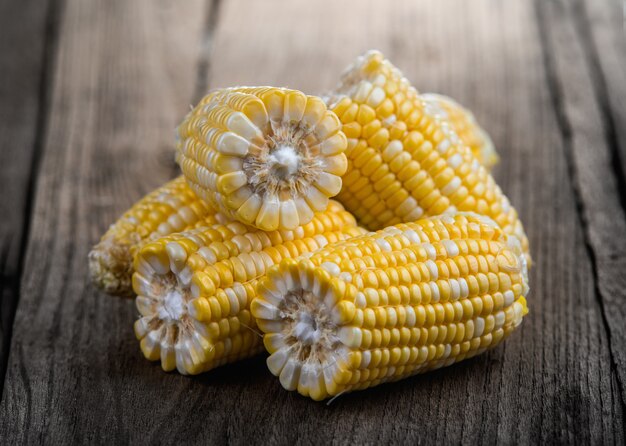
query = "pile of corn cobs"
x=248 y=251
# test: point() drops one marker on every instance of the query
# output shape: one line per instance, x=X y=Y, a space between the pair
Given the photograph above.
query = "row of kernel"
x=426 y=314
x=456 y=332
x=381 y=271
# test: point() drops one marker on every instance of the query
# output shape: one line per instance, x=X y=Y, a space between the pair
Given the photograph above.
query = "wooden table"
x=90 y=92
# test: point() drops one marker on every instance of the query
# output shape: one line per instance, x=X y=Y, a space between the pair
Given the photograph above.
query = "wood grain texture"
x=123 y=76
x=603 y=25
x=23 y=63
x=76 y=373
x=580 y=105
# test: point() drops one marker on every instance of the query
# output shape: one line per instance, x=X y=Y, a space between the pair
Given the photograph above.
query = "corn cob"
x=170 y=208
x=386 y=305
x=404 y=161
x=465 y=126
x=267 y=157
x=194 y=288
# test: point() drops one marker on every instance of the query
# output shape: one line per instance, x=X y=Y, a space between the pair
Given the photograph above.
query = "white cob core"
x=172 y=307
x=284 y=161
x=309 y=324
x=284 y=165
x=306 y=329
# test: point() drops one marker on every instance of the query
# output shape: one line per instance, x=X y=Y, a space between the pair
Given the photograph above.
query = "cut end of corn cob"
x=267 y=157
x=466 y=127
x=404 y=160
x=386 y=305
x=194 y=288
x=171 y=208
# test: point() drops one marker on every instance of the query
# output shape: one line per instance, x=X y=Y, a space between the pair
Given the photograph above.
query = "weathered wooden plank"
x=24 y=29
x=125 y=74
x=602 y=26
x=588 y=134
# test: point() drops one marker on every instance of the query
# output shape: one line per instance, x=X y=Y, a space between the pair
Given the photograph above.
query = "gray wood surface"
x=546 y=78
x=582 y=104
x=603 y=23
x=25 y=47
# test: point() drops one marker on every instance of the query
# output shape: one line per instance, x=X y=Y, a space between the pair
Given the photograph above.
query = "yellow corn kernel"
x=333 y=326
x=430 y=169
x=171 y=208
x=268 y=157
x=465 y=126
x=194 y=288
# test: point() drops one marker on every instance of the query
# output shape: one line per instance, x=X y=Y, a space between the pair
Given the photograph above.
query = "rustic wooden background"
x=90 y=92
